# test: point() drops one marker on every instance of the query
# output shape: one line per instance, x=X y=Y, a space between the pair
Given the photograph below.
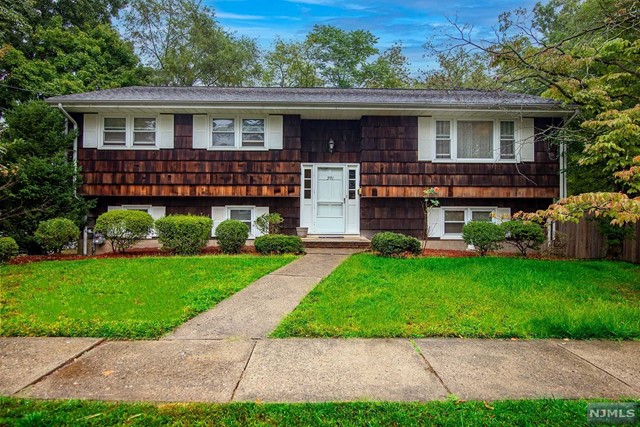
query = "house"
x=337 y=161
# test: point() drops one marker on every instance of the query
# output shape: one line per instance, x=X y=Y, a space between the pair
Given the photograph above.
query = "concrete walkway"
x=256 y=310
x=312 y=370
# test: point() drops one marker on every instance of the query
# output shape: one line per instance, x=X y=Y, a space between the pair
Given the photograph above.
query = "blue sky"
x=410 y=21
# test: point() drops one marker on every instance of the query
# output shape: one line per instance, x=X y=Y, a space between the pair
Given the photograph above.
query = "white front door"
x=330 y=200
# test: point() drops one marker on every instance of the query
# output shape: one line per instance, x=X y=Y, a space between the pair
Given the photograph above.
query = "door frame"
x=308 y=207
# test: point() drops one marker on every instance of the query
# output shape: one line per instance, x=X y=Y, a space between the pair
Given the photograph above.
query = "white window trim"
x=467 y=217
x=128 y=132
x=495 y=141
x=237 y=118
x=229 y=208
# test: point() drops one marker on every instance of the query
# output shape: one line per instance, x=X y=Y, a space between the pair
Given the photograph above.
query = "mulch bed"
x=131 y=253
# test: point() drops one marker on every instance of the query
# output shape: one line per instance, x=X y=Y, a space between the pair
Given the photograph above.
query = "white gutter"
x=75 y=167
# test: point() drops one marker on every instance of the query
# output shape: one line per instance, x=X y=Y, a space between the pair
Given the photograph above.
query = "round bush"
x=123 y=229
x=184 y=234
x=279 y=244
x=55 y=234
x=485 y=236
x=232 y=235
x=390 y=244
x=523 y=235
x=8 y=249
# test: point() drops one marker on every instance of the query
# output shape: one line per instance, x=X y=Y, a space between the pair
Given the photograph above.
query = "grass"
x=131 y=298
x=370 y=296
x=19 y=412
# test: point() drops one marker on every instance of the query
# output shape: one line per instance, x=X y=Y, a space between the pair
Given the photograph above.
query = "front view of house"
x=336 y=161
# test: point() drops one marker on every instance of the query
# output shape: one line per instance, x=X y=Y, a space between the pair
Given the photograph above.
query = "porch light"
x=331 y=145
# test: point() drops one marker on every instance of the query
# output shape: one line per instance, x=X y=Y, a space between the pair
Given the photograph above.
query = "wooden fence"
x=583 y=240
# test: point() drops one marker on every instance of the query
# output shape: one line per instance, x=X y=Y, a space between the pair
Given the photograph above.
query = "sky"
x=411 y=22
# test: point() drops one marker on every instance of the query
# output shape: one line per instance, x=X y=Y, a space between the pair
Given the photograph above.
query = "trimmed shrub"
x=279 y=244
x=232 y=235
x=485 y=236
x=390 y=244
x=55 y=234
x=184 y=234
x=8 y=249
x=523 y=235
x=269 y=223
x=123 y=229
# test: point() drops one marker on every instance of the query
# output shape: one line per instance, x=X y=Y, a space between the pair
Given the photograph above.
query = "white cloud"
x=225 y=15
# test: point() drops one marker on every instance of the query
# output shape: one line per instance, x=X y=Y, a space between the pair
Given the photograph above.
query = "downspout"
x=75 y=166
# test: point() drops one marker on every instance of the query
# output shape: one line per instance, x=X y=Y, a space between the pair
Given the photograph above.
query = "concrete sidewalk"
x=312 y=370
x=256 y=310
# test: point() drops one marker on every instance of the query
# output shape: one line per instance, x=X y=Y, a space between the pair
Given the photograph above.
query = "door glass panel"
x=330 y=210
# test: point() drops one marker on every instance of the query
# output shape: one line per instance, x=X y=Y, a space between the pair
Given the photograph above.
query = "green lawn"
x=370 y=296
x=120 y=297
x=20 y=412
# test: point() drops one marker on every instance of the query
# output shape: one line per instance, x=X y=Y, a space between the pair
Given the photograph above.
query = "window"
x=507 y=140
x=307 y=184
x=115 y=131
x=456 y=218
x=243 y=215
x=253 y=132
x=223 y=133
x=443 y=139
x=129 y=132
x=352 y=184
x=475 y=139
x=470 y=140
x=237 y=132
x=144 y=131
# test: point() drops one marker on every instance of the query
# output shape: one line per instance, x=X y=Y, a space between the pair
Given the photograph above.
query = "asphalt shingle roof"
x=287 y=96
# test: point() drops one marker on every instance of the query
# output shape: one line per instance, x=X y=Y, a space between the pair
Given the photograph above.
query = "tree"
x=43 y=183
x=330 y=56
x=67 y=60
x=459 y=69
x=290 y=65
x=186 y=46
x=585 y=54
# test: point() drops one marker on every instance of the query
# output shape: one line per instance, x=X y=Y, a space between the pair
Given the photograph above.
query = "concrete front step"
x=331 y=241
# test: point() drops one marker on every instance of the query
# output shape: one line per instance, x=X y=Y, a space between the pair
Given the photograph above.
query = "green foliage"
x=186 y=46
x=394 y=244
x=68 y=60
x=523 y=235
x=86 y=413
x=484 y=236
x=615 y=235
x=330 y=56
x=269 y=223
x=492 y=297
x=8 y=249
x=57 y=233
x=121 y=298
x=184 y=234
x=279 y=244
x=124 y=228
x=232 y=235
x=31 y=123
x=459 y=69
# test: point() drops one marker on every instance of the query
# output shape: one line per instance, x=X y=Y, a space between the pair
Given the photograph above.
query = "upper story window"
x=129 y=132
x=237 y=132
x=475 y=140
